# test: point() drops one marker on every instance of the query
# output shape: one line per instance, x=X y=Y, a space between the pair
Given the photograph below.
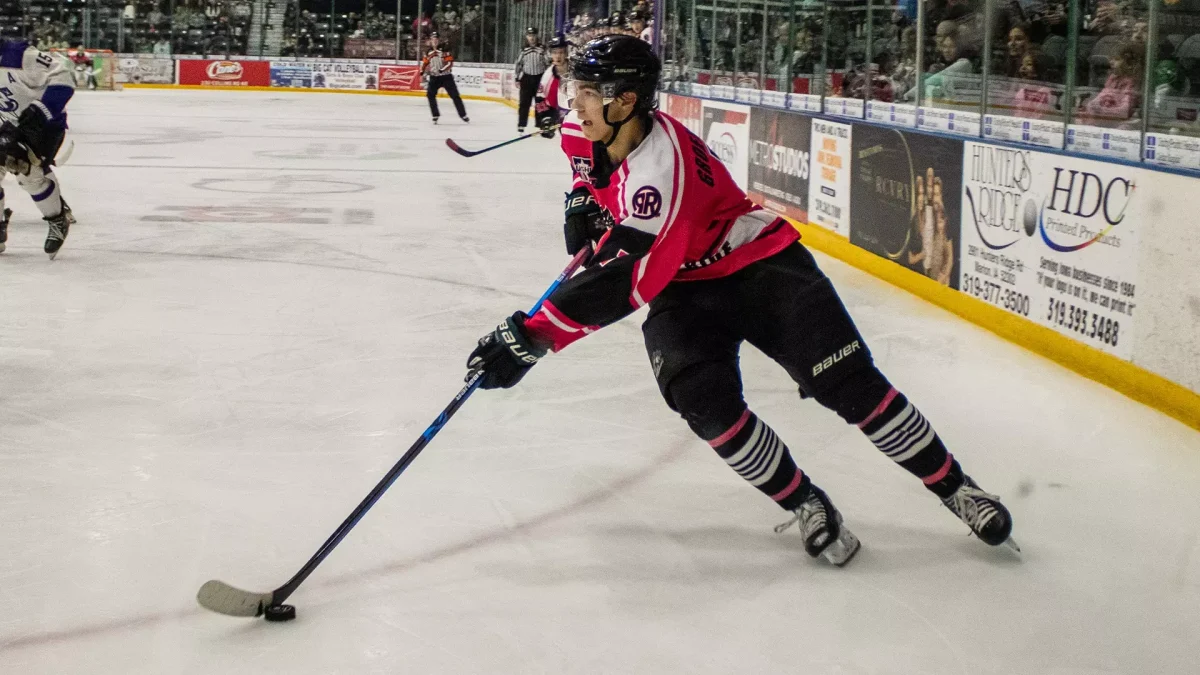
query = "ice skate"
x=466 y=119
x=7 y=216
x=983 y=513
x=435 y=121
x=59 y=226
x=825 y=536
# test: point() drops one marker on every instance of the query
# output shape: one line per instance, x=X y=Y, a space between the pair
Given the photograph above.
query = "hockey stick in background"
x=471 y=153
x=222 y=598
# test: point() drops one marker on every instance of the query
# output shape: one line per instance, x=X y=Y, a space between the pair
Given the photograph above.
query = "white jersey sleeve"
x=30 y=77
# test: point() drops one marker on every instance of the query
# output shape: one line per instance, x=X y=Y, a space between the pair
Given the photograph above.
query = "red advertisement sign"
x=685 y=109
x=399 y=78
x=225 y=73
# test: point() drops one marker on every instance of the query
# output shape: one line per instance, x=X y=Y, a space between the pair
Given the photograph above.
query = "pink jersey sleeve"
x=577 y=148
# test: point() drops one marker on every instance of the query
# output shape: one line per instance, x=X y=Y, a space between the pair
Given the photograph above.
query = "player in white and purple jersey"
x=34 y=90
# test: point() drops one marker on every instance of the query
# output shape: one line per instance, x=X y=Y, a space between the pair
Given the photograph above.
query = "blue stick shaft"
x=280 y=594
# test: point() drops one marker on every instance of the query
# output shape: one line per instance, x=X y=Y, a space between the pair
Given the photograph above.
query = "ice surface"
x=269 y=296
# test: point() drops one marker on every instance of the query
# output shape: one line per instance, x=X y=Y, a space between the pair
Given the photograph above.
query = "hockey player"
x=546 y=104
x=34 y=91
x=437 y=65
x=85 y=70
x=716 y=270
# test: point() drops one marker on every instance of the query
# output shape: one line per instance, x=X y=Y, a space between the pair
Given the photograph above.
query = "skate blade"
x=842 y=551
x=1011 y=544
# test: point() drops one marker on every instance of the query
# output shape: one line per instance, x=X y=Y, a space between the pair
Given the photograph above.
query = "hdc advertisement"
x=1054 y=239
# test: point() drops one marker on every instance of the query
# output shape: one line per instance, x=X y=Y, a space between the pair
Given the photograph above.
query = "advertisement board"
x=1044 y=133
x=780 y=144
x=1054 y=238
x=686 y=109
x=845 y=107
x=726 y=131
x=363 y=48
x=345 y=76
x=224 y=73
x=896 y=114
x=399 y=78
x=1181 y=152
x=291 y=74
x=470 y=80
x=1119 y=143
x=906 y=199
x=146 y=70
x=829 y=179
x=949 y=121
x=493 y=82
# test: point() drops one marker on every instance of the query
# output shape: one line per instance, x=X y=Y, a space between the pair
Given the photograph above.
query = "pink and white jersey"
x=547 y=91
x=678 y=216
x=671 y=186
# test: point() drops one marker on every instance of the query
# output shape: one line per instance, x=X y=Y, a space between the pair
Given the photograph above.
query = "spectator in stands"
x=1033 y=99
x=904 y=76
x=952 y=58
x=1017 y=48
x=1121 y=94
x=1049 y=19
x=639 y=27
x=807 y=52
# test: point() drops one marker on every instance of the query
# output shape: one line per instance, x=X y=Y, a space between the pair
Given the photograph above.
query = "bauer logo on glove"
x=504 y=355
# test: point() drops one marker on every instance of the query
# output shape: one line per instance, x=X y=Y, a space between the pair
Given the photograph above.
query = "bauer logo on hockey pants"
x=647 y=203
x=834 y=358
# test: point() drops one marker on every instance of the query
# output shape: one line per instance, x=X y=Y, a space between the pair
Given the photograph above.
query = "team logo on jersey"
x=583 y=167
x=647 y=203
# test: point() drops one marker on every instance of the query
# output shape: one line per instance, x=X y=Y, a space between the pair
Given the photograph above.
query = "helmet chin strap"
x=616 y=126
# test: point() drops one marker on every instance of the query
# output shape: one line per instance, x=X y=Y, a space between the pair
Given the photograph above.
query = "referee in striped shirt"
x=436 y=66
x=530 y=65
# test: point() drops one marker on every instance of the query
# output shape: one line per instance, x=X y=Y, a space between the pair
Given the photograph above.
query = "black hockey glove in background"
x=585 y=220
x=546 y=119
x=505 y=354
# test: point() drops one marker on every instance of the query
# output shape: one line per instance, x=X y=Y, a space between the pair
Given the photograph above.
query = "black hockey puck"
x=279 y=613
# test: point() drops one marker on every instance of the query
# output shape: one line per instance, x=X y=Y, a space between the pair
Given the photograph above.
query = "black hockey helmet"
x=531 y=31
x=617 y=64
x=559 y=42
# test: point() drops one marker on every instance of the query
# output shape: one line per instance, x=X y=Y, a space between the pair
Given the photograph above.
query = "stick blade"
x=457 y=148
x=222 y=598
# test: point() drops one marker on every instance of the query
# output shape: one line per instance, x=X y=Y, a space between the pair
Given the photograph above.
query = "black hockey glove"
x=585 y=220
x=546 y=119
x=505 y=354
x=15 y=153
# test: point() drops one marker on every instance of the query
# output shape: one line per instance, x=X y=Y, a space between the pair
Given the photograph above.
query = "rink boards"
x=1083 y=260
x=1087 y=261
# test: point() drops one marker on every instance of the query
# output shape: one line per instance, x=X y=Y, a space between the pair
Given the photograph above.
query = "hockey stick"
x=471 y=153
x=222 y=598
